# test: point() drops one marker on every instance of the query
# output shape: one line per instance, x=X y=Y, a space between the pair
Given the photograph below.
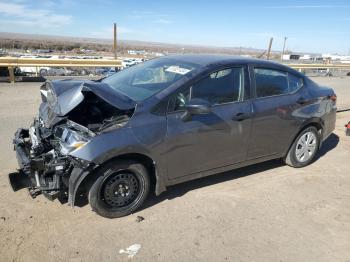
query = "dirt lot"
x=267 y=212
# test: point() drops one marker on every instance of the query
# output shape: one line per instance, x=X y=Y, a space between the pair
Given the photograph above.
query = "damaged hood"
x=62 y=96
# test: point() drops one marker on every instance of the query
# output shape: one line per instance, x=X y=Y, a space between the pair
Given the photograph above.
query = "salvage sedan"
x=167 y=121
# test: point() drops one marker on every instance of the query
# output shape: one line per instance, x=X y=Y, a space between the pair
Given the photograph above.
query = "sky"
x=310 y=26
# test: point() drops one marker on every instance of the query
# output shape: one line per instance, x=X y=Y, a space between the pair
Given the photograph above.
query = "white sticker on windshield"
x=177 y=70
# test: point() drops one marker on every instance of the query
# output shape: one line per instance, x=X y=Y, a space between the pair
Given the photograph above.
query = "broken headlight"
x=71 y=140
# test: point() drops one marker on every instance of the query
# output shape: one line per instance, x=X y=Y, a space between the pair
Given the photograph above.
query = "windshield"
x=146 y=79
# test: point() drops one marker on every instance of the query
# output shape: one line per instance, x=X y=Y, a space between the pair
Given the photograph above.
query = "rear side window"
x=271 y=82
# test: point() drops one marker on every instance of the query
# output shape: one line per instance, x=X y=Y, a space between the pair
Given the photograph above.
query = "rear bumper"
x=330 y=121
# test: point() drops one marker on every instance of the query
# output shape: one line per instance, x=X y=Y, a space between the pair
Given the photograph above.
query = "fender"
x=315 y=121
x=105 y=148
x=79 y=175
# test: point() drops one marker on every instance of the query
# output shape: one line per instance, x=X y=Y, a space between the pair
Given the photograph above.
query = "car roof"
x=207 y=60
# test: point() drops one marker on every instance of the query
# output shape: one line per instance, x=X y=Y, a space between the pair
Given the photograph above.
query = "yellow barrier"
x=12 y=62
x=319 y=66
x=33 y=62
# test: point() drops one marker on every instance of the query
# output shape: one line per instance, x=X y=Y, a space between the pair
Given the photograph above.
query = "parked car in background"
x=3 y=52
x=132 y=61
x=105 y=72
x=4 y=73
x=167 y=121
x=110 y=72
x=30 y=70
x=40 y=70
x=56 y=71
x=128 y=62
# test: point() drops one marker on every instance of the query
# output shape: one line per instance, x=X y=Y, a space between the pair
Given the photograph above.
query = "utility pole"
x=115 y=41
x=269 y=49
x=284 y=46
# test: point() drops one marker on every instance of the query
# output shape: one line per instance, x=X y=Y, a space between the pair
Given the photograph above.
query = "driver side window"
x=224 y=86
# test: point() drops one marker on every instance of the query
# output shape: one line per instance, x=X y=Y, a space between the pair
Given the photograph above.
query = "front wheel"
x=304 y=148
x=120 y=189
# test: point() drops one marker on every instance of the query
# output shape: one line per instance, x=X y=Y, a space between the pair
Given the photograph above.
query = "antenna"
x=115 y=40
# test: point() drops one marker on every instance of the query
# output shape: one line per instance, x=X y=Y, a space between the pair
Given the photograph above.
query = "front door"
x=212 y=140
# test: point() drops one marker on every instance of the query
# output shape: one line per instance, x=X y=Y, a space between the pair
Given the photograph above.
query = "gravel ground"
x=266 y=212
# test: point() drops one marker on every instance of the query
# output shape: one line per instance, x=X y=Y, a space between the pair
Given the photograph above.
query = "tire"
x=300 y=155
x=120 y=189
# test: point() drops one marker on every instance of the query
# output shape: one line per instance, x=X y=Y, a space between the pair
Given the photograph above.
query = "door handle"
x=240 y=116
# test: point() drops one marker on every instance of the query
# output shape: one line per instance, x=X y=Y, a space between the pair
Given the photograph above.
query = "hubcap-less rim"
x=120 y=189
x=306 y=147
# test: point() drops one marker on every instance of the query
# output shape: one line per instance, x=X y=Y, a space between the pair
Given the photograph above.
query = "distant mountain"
x=48 y=40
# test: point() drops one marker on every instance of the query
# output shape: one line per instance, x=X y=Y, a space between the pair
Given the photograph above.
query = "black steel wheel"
x=120 y=189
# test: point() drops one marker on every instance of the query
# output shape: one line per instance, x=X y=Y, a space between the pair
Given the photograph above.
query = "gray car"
x=167 y=121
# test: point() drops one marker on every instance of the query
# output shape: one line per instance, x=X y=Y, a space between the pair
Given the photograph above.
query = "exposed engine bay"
x=96 y=114
x=69 y=117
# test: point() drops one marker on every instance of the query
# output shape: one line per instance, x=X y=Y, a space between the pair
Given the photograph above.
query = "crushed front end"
x=71 y=115
x=44 y=160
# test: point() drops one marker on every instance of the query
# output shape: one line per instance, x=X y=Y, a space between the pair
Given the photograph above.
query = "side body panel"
x=207 y=141
x=278 y=119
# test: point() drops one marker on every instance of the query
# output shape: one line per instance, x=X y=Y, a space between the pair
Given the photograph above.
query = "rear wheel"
x=120 y=189
x=304 y=148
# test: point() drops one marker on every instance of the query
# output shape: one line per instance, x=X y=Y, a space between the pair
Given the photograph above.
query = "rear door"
x=216 y=139
x=277 y=96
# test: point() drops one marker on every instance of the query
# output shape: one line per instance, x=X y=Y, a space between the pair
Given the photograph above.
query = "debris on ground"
x=131 y=250
x=139 y=219
x=3 y=218
x=347 y=131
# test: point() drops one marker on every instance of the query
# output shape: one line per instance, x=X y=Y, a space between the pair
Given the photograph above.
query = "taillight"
x=348 y=126
x=333 y=98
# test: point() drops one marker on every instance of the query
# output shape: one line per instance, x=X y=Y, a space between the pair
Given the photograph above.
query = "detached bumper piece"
x=19 y=180
x=347 y=130
x=39 y=172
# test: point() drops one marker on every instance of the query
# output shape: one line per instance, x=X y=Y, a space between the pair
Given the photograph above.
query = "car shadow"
x=181 y=189
x=329 y=144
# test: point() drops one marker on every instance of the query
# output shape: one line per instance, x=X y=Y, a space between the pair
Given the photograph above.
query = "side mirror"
x=196 y=106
